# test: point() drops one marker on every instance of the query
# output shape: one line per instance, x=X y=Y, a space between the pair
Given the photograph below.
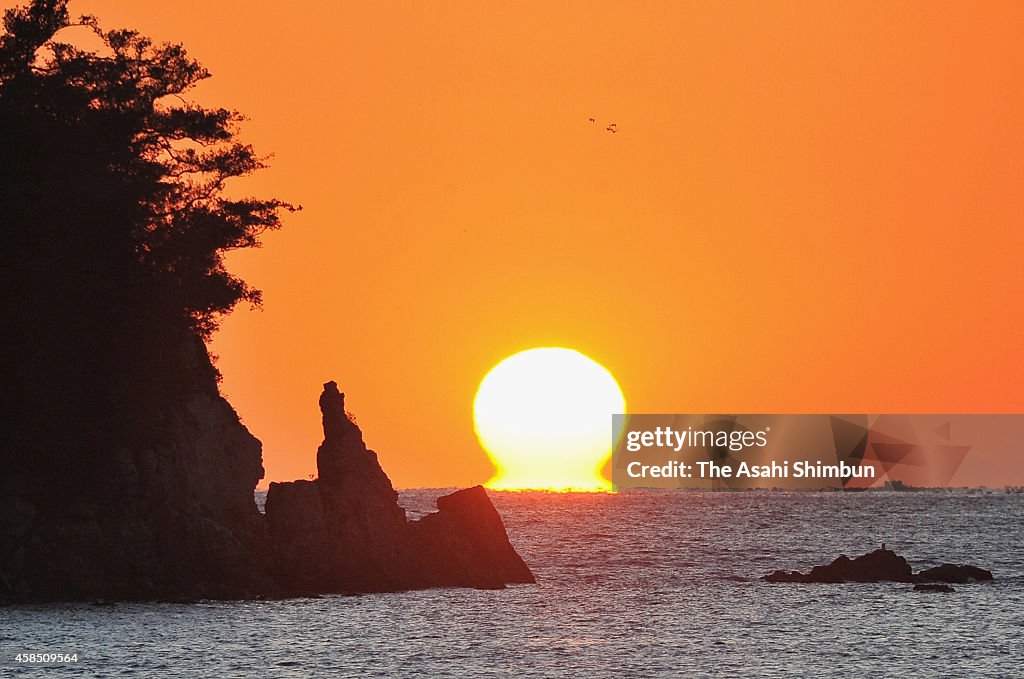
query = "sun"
x=545 y=418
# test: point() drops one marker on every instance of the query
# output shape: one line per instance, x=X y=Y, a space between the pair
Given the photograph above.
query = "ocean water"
x=635 y=584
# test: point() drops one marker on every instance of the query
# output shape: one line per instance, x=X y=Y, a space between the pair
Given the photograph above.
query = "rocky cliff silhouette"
x=152 y=500
x=346 y=532
x=174 y=517
x=124 y=474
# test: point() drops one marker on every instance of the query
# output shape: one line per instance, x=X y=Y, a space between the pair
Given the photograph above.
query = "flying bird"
x=612 y=128
x=591 y=120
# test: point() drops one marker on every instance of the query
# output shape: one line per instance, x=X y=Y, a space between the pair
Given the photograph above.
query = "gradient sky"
x=808 y=207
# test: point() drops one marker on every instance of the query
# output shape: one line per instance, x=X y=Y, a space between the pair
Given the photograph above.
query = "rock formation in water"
x=948 y=572
x=881 y=565
x=877 y=566
x=345 y=531
x=172 y=516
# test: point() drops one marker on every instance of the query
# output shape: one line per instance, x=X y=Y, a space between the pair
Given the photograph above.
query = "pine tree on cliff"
x=115 y=222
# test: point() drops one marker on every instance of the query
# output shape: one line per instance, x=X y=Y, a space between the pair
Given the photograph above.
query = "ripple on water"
x=631 y=584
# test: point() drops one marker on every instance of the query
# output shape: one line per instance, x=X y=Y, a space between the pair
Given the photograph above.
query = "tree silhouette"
x=115 y=222
x=148 y=166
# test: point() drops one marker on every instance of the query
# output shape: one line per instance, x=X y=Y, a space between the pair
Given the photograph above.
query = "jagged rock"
x=933 y=588
x=464 y=543
x=948 y=572
x=877 y=566
x=345 y=532
x=881 y=565
x=172 y=516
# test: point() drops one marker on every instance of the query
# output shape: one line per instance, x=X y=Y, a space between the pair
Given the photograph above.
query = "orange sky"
x=808 y=207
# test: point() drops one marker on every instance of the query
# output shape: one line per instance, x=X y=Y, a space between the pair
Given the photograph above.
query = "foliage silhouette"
x=115 y=221
x=150 y=167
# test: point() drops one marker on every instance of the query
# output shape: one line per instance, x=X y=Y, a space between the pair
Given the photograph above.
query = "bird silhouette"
x=612 y=128
x=591 y=120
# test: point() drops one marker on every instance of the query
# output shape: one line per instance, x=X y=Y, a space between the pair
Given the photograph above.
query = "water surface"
x=634 y=584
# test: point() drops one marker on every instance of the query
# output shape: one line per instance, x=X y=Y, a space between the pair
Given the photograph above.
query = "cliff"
x=345 y=532
x=172 y=516
x=156 y=503
x=123 y=472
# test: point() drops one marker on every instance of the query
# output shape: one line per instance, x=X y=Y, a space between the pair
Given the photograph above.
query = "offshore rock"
x=948 y=572
x=881 y=565
x=877 y=566
x=345 y=531
x=464 y=544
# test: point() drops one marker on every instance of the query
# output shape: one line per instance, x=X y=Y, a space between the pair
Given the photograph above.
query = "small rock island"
x=883 y=565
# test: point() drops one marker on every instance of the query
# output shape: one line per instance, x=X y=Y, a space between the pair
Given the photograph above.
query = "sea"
x=635 y=584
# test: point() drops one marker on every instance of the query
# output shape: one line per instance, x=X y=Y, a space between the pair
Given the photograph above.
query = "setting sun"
x=544 y=417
